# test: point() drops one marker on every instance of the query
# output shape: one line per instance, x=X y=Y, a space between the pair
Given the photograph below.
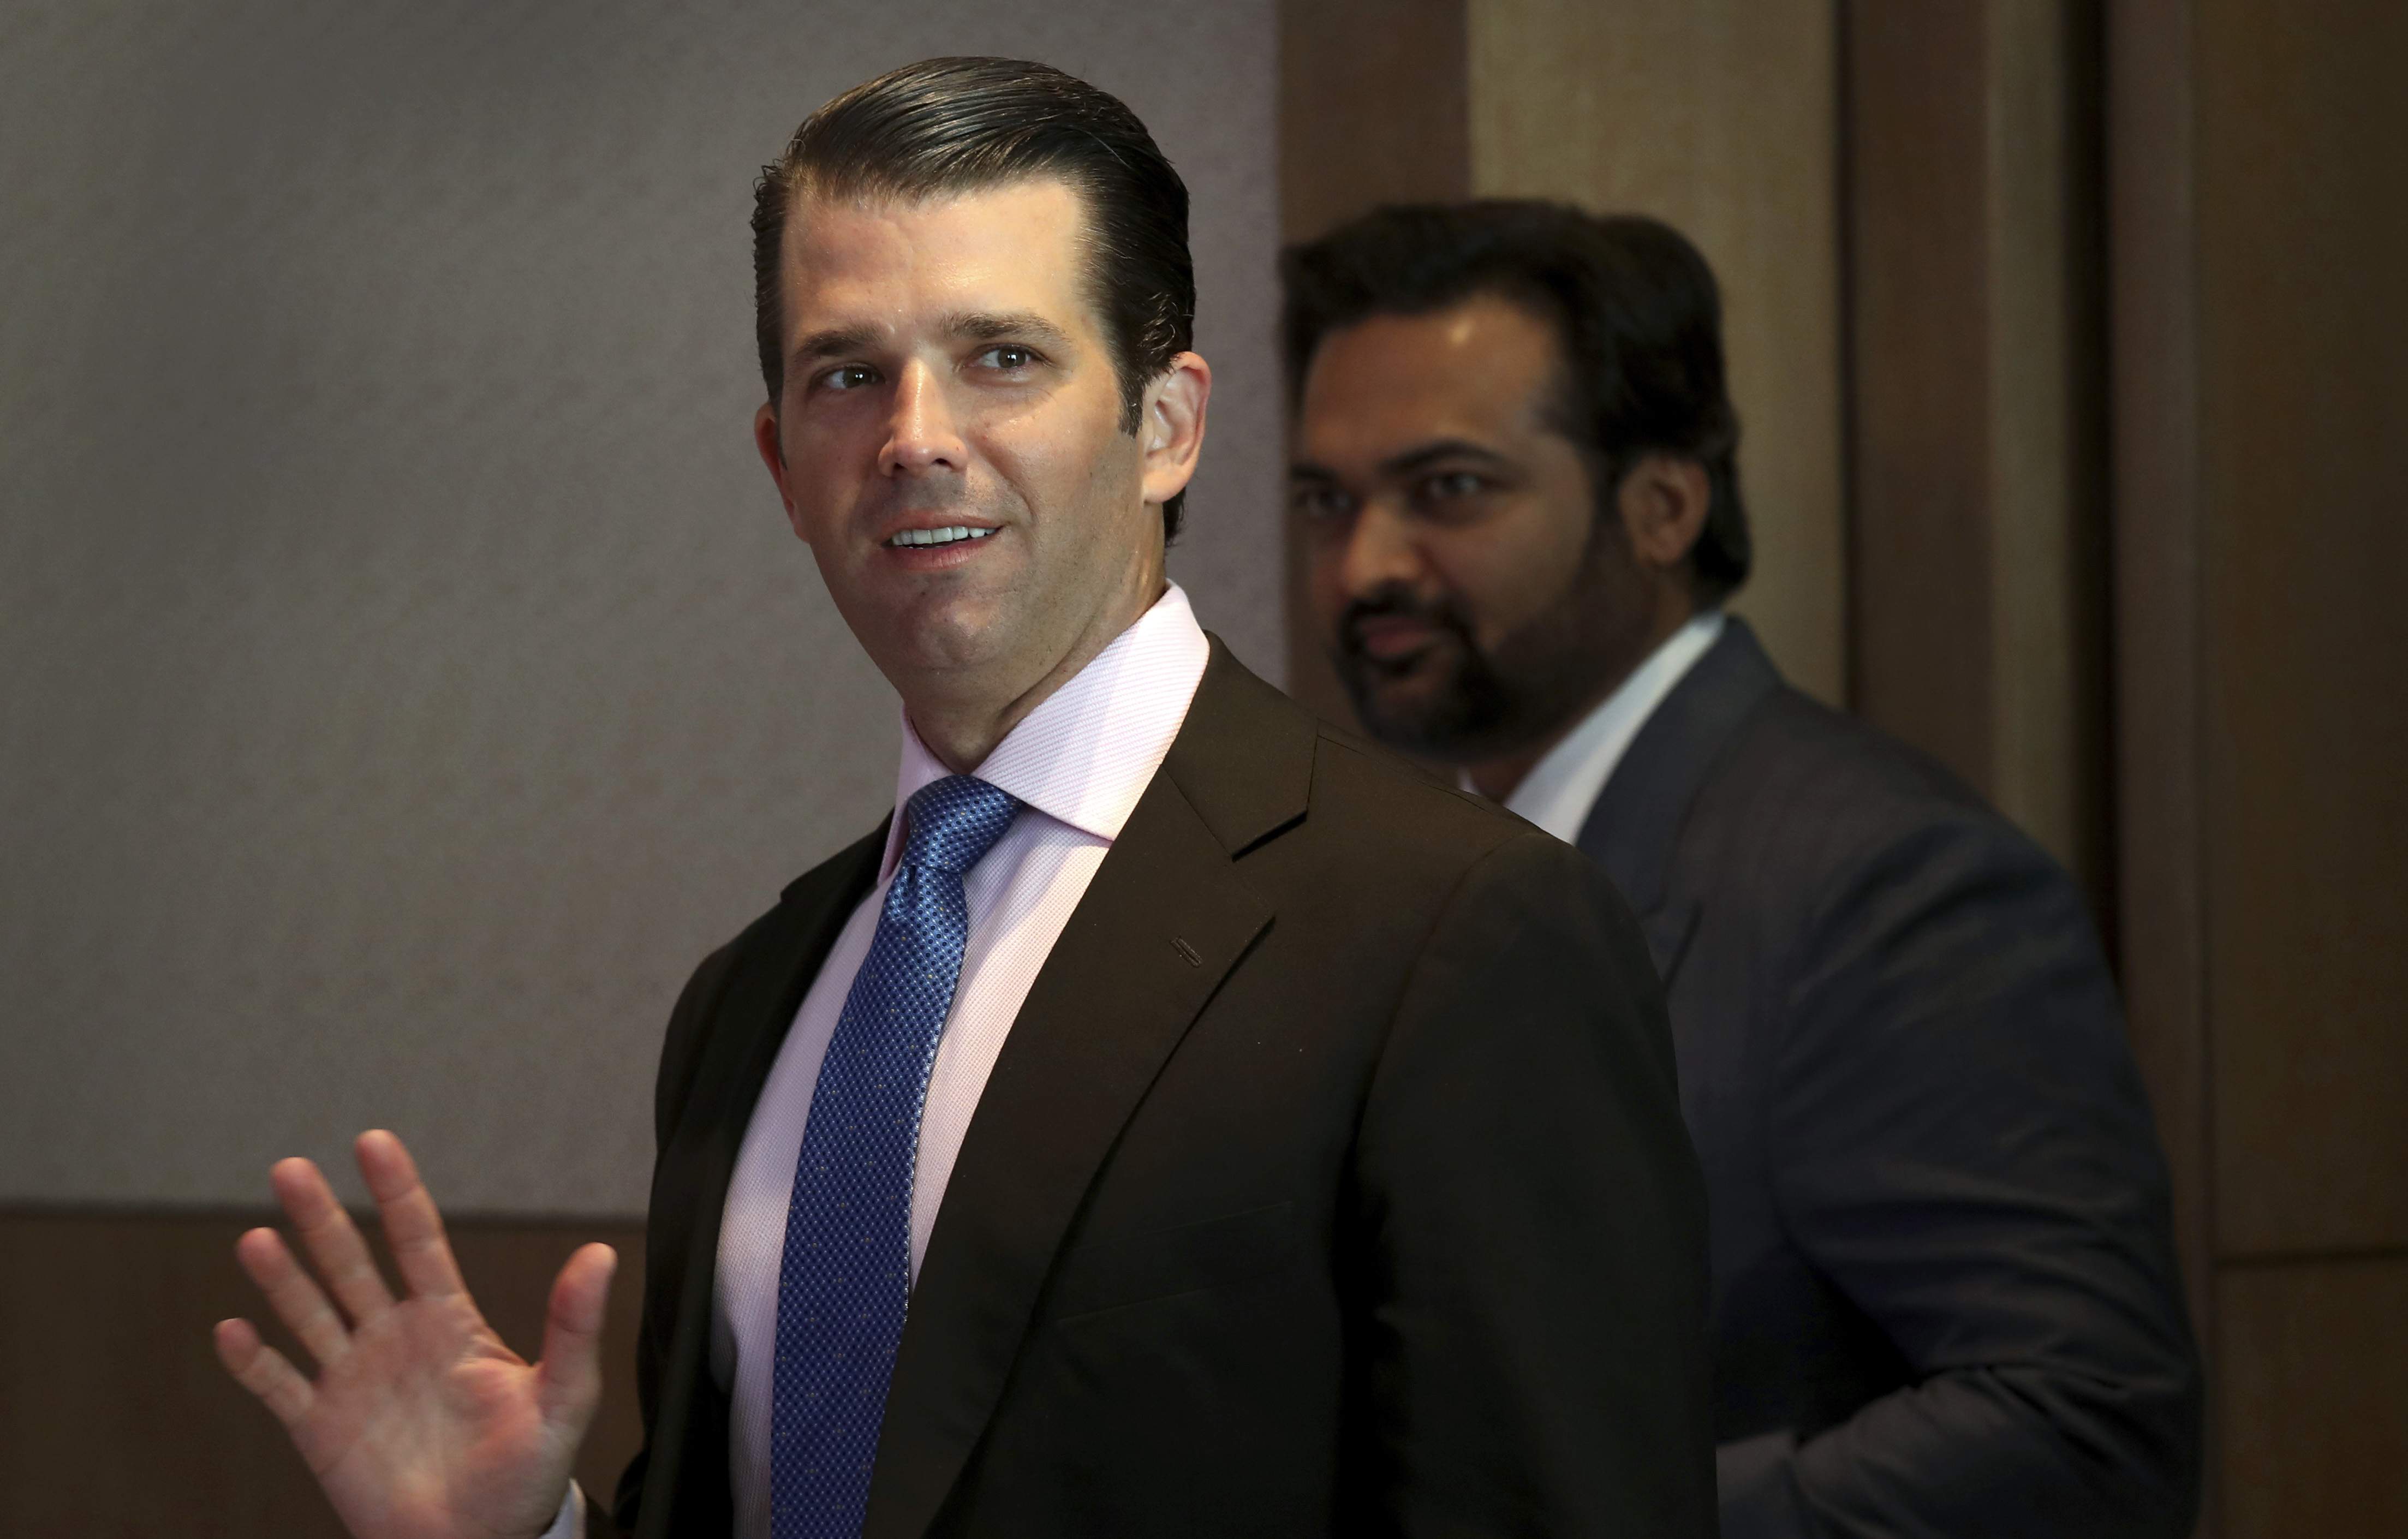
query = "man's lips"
x=1392 y=638
x=933 y=535
x=927 y=545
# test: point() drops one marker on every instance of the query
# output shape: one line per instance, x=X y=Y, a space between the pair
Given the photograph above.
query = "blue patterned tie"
x=846 y=1275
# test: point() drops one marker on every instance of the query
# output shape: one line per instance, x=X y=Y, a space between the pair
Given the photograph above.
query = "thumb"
x=572 y=1338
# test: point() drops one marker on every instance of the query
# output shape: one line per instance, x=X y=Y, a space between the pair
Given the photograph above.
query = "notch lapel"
x=1159 y=928
x=773 y=967
x=1636 y=822
x=1668 y=930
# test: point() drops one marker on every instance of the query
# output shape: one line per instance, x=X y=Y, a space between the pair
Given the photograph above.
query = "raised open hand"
x=421 y=1424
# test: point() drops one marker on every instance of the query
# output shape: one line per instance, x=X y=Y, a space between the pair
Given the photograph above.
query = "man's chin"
x=1429 y=710
x=941 y=633
x=1409 y=715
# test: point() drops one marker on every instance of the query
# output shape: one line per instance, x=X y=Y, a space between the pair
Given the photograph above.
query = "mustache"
x=933 y=492
x=924 y=499
x=1395 y=601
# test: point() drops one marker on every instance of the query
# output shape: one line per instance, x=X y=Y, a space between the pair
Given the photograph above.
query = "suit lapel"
x=1636 y=822
x=1164 y=921
x=773 y=968
x=1668 y=930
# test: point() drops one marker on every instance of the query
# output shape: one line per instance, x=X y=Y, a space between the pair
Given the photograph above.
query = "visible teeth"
x=940 y=537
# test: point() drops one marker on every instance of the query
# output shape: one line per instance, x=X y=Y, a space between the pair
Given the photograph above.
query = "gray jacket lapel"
x=1636 y=822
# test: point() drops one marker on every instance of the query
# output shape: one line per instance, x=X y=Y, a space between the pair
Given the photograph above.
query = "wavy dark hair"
x=1634 y=306
x=946 y=126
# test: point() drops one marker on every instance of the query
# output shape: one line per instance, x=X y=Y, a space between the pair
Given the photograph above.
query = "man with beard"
x=1945 y=1298
x=1178 y=1117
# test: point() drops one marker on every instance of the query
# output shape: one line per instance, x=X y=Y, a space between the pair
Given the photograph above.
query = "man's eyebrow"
x=1422 y=456
x=833 y=342
x=991 y=326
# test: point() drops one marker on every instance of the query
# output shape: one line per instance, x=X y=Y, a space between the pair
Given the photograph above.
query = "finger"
x=333 y=1243
x=413 y=1225
x=295 y=1298
x=572 y=1337
x=262 y=1370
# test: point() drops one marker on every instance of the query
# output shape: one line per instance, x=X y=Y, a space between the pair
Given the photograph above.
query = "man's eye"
x=1449 y=484
x=1008 y=357
x=849 y=377
x=1318 y=504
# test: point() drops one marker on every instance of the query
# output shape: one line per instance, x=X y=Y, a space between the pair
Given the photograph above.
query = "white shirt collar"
x=1560 y=788
x=1088 y=751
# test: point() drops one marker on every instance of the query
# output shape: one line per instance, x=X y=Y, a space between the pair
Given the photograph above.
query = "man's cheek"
x=1499 y=606
x=1327 y=594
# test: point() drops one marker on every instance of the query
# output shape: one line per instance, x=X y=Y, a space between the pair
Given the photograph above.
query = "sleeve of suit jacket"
x=1961 y=1145
x=1532 y=1229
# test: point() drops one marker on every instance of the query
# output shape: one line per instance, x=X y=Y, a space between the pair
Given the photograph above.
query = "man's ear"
x=773 y=454
x=1170 y=428
x=1663 y=501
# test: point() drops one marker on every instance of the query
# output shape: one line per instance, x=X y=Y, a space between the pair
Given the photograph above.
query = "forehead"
x=886 y=261
x=1483 y=370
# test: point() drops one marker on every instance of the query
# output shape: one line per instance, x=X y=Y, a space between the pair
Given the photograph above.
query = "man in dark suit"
x=1944 y=1300
x=1181 y=1117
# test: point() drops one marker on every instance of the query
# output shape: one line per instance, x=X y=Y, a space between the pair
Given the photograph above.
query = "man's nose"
x=1380 y=552
x=921 y=434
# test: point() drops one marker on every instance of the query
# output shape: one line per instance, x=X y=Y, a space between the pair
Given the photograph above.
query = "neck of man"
x=1498 y=776
x=961 y=726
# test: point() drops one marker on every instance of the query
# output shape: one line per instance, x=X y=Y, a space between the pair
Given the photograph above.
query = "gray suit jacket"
x=1944 y=1298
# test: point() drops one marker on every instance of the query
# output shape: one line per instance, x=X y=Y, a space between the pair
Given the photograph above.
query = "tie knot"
x=950 y=824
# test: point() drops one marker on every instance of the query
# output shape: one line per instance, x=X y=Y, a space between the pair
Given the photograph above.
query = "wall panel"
x=2314 y=1413
x=1373 y=108
x=2304 y=234
x=2258 y=153
x=1922 y=641
x=2049 y=540
x=120 y=1422
x=1977 y=470
x=2159 y=671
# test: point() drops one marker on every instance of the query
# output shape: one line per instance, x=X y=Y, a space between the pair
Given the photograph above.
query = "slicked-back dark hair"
x=943 y=128
x=1634 y=306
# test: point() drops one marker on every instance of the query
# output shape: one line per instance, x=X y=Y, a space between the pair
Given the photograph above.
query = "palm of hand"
x=429 y=1427
x=421 y=1424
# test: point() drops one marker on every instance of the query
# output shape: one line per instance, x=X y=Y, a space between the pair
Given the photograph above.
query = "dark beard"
x=1481 y=705
x=1457 y=720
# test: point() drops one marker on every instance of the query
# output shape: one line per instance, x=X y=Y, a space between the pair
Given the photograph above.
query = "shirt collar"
x=1088 y=751
x=1561 y=787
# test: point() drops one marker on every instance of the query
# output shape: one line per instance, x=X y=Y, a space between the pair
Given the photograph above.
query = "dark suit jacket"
x=1944 y=1294
x=1332 y=1179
